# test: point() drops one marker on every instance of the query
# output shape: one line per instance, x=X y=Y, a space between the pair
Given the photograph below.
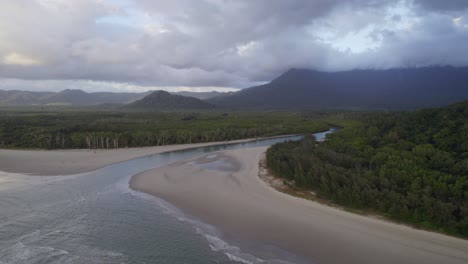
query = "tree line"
x=106 y=130
x=410 y=166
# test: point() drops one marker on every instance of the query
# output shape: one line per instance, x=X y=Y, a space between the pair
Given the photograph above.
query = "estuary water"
x=96 y=218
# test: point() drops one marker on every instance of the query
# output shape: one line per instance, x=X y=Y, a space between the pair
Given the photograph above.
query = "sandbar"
x=224 y=190
x=74 y=161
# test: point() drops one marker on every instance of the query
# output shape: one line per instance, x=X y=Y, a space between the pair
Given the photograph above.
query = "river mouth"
x=95 y=218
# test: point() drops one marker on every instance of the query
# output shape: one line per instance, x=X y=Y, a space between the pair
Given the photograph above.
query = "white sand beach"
x=224 y=190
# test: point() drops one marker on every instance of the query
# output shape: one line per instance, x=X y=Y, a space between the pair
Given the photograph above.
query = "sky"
x=224 y=45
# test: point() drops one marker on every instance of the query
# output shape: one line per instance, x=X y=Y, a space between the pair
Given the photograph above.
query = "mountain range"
x=296 y=89
x=357 y=89
x=66 y=97
x=81 y=98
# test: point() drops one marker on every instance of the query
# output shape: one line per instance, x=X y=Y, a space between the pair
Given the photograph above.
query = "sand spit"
x=224 y=190
x=65 y=162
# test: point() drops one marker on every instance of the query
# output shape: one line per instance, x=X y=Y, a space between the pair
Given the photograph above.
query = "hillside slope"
x=161 y=100
x=357 y=89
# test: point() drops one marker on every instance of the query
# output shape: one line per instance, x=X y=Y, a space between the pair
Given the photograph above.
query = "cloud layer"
x=221 y=43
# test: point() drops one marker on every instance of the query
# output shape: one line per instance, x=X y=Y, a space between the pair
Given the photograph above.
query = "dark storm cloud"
x=443 y=5
x=231 y=43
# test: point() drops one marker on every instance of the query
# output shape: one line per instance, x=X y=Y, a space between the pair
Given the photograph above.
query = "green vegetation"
x=411 y=167
x=58 y=128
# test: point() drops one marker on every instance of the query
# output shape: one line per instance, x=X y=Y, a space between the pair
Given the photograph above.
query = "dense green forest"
x=101 y=129
x=410 y=167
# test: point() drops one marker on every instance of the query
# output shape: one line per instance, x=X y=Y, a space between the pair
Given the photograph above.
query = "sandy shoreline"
x=65 y=162
x=224 y=190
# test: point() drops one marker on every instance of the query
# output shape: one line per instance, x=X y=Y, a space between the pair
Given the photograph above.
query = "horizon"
x=139 y=45
x=80 y=90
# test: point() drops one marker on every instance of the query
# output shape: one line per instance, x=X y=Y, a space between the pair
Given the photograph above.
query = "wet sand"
x=224 y=190
x=65 y=162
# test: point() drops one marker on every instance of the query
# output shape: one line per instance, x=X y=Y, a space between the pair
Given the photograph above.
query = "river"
x=96 y=218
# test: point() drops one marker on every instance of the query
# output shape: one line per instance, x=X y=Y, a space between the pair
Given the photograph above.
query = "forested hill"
x=407 y=88
x=161 y=100
x=411 y=167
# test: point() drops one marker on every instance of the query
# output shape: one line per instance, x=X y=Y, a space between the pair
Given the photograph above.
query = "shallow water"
x=216 y=162
x=95 y=218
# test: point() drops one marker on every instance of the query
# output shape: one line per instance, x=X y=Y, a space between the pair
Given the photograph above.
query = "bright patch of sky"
x=98 y=86
x=354 y=42
x=19 y=59
x=369 y=37
x=125 y=14
x=245 y=49
x=460 y=22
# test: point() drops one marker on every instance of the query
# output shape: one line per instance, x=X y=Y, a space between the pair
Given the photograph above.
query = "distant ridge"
x=81 y=98
x=202 y=95
x=13 y=97
x=356 y=89
x=162 y=100
x=298 y=89
x=66 y=97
